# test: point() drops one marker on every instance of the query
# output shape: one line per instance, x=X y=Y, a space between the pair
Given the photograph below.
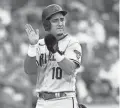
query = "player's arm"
x=30 y=65
x=71 y=60
x=30 y=68
x=67 y=65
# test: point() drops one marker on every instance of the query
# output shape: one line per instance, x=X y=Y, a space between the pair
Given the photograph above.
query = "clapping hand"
x=33 y=35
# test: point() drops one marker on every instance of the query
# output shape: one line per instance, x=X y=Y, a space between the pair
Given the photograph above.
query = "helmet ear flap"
x=47 y=25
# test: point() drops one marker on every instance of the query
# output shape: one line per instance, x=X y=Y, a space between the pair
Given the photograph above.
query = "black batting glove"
x=51 y=43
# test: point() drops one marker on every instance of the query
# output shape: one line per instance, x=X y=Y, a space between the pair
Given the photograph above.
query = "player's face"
x=57 y=24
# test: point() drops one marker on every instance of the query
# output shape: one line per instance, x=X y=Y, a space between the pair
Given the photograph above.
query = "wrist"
x=32 y=50
x=58 y=57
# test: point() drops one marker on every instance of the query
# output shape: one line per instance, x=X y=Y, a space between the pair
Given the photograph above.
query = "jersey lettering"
x=52 y=58
x=42 y=59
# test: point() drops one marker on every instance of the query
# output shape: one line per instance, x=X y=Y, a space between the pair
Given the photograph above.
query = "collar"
x=63 y=37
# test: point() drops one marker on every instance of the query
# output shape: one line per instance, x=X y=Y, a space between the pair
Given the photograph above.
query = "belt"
x=51 y=95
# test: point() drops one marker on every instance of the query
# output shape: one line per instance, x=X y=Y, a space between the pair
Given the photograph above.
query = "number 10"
x=57 y=73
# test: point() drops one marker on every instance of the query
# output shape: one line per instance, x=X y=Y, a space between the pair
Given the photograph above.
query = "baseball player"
x=54 y=59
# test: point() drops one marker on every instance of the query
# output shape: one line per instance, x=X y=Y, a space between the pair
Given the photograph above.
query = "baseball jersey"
x=51 y=77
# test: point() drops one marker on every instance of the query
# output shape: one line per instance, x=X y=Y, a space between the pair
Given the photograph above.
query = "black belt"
x=51 y=95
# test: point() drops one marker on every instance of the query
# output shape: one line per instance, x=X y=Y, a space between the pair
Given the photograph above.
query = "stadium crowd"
x=96 y=26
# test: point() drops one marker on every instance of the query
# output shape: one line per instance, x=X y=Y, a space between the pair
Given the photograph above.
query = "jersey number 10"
x=57 y=73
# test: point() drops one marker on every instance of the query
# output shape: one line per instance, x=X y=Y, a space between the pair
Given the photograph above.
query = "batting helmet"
x=48 y=12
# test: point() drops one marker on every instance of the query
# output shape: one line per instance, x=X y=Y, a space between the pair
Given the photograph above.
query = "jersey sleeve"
x=74 y=53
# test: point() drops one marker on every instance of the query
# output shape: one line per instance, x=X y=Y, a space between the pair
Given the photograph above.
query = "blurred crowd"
x=95 y=23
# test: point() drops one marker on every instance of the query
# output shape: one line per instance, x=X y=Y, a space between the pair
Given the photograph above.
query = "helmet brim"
x=63 y=13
